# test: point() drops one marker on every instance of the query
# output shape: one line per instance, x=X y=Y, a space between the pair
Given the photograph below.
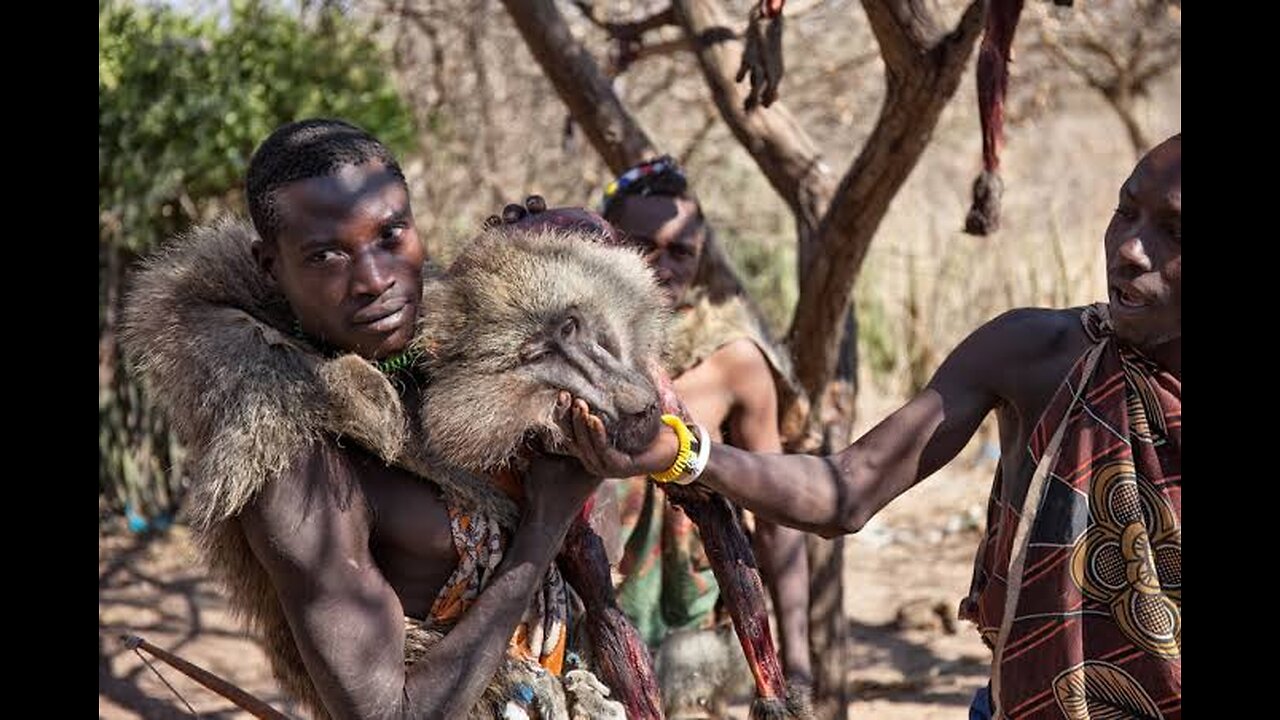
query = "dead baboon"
x=521 y=316
x=525 y=313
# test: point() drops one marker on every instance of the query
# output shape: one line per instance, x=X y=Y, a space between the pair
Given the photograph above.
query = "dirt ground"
x=908 y=661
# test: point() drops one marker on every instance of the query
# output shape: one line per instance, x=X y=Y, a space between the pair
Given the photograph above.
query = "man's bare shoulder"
x=742 y=355
x=1023 y=354
x=742 y=366
x=321 y=489
x=1029 y=334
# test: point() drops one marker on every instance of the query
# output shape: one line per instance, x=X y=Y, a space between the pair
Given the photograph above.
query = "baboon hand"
x=513 y=213
x=535 y=215
x=762 y=57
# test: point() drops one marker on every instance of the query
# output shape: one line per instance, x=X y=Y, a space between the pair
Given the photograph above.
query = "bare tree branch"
x=785 y=154
x=426 y=24
x=1060 y=53
x=626 y=30
x=695 y=142
x=1118 y=51
x=615 y=135
x=903 y=28
x=484 y=89
x=923 y=70
x=657 y=90
x=1162 y=58
x=634 y=29
x=651 y=50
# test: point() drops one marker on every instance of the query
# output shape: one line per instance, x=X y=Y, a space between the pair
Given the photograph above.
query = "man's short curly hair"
x=301 y=150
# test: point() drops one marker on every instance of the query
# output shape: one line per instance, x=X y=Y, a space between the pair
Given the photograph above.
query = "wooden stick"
x=242 y=699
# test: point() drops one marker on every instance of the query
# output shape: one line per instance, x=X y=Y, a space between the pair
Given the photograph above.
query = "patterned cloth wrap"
x=1078 y=586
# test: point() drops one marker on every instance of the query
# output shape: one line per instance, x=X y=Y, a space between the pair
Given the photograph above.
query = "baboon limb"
x=762 y=56
x=736 y=572
x=621 y=658
x=734 y=565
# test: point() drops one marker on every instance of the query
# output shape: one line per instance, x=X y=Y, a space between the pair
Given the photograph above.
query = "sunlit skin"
x=348 y=259
x=1144 y=256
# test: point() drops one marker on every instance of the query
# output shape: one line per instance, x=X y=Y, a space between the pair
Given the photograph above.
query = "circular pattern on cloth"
x=1130 y=558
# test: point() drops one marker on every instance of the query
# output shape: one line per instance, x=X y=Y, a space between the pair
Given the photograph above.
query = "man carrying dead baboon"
x=382 y=584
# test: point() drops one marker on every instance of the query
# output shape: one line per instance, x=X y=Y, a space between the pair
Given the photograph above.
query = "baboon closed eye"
x=569 y=328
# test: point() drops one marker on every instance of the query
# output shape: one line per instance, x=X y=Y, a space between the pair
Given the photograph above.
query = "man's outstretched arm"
x=837 y=494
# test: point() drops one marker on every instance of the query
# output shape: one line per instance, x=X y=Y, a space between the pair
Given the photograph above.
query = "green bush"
x=183 y=100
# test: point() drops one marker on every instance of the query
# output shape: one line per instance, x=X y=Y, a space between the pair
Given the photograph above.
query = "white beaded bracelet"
x=699 y=463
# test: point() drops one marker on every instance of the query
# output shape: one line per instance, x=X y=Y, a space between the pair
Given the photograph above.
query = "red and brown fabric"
x=1078 y=586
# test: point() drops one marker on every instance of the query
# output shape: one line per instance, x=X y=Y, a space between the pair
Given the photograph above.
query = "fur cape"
x=707 y=326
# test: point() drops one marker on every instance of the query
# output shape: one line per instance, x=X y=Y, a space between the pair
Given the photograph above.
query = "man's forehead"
x=351 y=181
x=342 y=196
x=1159 y=178
x=1164 y=162
x=654 y=214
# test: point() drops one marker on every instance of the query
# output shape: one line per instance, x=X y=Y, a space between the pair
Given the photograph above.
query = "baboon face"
x=576 y=350
x=522 y=315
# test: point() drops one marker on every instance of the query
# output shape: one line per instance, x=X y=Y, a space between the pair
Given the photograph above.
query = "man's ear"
x=264 y=256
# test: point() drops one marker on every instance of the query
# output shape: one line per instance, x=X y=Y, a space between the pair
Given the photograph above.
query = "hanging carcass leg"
x=993 y=80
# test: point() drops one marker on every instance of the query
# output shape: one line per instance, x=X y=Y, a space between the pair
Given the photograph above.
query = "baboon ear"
x=264 y=257
x=438 y=320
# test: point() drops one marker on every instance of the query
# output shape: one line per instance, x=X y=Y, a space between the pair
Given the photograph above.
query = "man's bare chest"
x=410 y=536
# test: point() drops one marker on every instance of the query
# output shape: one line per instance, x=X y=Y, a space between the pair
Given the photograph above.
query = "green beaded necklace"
x=399 y=362
x=389 y=366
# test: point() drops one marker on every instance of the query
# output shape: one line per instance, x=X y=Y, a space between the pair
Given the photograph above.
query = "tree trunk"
x=828 y=627
x=921 y=75
x=613 y=132
x=1122 y=102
